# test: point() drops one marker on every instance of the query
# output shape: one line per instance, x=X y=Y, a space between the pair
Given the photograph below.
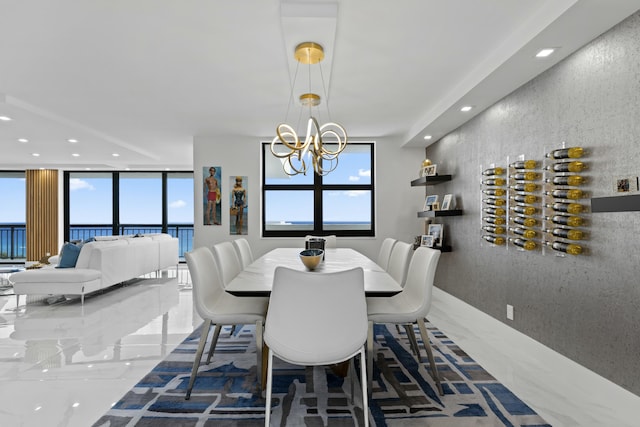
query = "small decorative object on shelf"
x=563 y=215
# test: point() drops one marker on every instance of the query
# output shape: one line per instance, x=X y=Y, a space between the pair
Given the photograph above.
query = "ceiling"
x=142 y=78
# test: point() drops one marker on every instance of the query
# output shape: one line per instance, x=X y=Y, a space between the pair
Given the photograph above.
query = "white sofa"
x=105 y=262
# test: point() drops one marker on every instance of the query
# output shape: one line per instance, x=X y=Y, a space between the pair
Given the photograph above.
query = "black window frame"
x=318 y=188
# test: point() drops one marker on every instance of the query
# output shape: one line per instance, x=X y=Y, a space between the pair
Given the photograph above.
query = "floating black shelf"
x=430 y=180
x=433 y=214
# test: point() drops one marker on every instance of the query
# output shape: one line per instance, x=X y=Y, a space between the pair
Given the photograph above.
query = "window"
x=13 y=215
x=105 y=203
x=339 y=203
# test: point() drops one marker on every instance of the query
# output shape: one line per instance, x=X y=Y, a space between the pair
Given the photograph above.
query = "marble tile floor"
x=64 y=365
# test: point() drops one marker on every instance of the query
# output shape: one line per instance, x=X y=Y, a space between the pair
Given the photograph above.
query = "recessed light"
x=35 y=154
x=466 y=108
x=23 y=140
x=73 y=141
x=427 y=137
x=5 y=118
x=116 y=155
x=545 y=52
x=75 y=155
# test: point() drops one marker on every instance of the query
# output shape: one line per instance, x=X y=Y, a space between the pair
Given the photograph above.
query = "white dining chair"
x=330 y=241
x=244 y=251
x=409 y=307
x=228 y=261
x=399 y=261
x=385 y=252
x=330 y=330
x=215 y=306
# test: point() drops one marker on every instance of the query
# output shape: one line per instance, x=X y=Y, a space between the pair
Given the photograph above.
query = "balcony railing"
x=13 y=241
x=13 y=236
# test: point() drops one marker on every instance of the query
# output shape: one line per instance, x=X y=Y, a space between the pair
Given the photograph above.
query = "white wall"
x=396 y=201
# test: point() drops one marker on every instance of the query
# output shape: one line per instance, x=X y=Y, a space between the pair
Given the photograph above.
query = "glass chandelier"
x=323 y=143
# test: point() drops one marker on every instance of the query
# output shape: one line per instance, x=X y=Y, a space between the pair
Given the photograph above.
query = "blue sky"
x=140 y=200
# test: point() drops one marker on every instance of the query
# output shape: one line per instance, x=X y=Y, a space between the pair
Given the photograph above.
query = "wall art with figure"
x=212 y=195
x=238 y=202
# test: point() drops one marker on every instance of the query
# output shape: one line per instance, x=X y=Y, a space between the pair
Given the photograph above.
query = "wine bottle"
x=494 y=171
x=494 y=181
x=524 y=232
x=525 y=176
x=527 y=222
x=568 y=248
x=566 y=180
x=525 y=198
x=571 y=221
x=573 y=208
x=494 y=202
x=571 y=234
x=525 y=210
x=574 y=166
x=495 y=229
x=528 y=187
x=494 y=192
x=494 y=220
x=495 y=211
x=524 y=244
x=565 y=194
x=524 y=164
x=566 y=153
x=496 y=240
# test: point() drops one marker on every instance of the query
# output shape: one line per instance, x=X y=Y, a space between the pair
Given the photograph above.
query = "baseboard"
x=559 y=389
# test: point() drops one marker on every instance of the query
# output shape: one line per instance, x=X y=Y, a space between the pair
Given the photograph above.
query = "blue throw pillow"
x=69 y=255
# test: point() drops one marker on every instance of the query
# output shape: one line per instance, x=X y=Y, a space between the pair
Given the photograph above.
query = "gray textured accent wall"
x=584 y=307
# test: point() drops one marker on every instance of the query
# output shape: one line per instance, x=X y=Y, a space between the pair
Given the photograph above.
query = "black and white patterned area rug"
x=403 y=392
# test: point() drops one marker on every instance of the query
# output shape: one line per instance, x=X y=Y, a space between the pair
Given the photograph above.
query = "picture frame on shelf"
x=427 y=240
x=429 y=201
x=447 y=202
x=435 y=206
x=436 y=230
x=429 y=170
x=627 y=184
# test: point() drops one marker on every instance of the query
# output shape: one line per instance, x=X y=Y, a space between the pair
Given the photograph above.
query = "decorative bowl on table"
x=311 y=257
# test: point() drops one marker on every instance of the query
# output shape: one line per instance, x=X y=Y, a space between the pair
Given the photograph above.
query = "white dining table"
x=257 y=278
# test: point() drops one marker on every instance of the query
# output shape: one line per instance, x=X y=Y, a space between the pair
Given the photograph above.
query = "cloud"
x=80 y=184
x=356 y=193
x=178 y=204
x=354 y=178
x=363 y=172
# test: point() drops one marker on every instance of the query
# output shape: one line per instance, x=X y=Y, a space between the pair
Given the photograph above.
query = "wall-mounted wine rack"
x=565 y=219
x=535 y=206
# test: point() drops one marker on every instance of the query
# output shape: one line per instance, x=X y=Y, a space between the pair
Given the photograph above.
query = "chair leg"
x=196 y=362
x=259 y=353
x=214 y=342
x=365 y=392
x=370 y=357
x=413 y=342
x=267 y=408
x=432 y=361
